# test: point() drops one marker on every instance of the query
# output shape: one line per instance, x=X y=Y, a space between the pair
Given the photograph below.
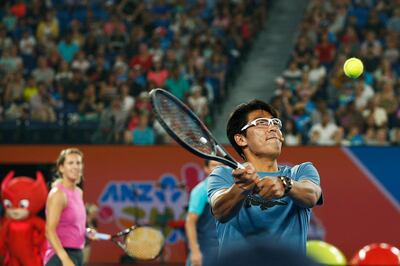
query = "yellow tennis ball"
x=353 y=67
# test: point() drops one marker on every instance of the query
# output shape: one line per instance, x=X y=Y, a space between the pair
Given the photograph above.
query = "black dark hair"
x=239 y=116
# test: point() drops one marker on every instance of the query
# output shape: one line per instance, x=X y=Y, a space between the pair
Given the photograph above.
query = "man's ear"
x=240 y=140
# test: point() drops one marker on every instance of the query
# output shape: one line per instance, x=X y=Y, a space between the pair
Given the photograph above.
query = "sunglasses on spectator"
x=263 y=123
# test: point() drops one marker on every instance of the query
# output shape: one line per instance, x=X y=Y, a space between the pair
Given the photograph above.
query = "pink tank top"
x=71 y=228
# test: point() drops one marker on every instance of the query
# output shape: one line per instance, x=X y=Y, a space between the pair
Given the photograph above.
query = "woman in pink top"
x=65 y=213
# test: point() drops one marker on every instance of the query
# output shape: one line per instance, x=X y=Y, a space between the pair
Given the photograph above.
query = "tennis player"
x=200 y=223
x=265 y=201
x=65 y=213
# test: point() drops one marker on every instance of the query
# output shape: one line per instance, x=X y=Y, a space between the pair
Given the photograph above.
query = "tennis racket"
x=187 y=129
x=190 y=132
x=139 y=242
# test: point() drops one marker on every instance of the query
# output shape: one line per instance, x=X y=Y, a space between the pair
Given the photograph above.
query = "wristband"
x=287 y=183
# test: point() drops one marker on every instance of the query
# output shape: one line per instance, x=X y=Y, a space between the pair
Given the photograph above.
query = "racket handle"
x=239 y=165
x=102 y=236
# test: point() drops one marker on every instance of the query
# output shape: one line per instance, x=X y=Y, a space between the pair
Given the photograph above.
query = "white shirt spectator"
x=27 y=44
x=326 y=133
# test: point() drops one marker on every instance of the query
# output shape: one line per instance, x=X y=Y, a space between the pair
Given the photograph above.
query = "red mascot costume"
x=22 y=233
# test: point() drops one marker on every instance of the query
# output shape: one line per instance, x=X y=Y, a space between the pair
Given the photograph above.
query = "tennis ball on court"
x=353 y=67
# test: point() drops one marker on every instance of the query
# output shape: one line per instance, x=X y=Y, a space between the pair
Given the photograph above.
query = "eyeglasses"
x=263 y=123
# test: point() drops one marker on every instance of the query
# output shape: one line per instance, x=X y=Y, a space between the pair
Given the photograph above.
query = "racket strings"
x=183 y=125
x=144 y=243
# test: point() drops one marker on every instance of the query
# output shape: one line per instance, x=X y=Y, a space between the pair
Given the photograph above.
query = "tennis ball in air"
x=353 y=67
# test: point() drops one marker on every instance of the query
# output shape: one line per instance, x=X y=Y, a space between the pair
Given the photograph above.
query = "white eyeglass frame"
x=271 y=122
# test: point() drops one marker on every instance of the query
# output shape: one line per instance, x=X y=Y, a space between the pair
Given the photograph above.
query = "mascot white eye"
x=24 y=203
x=7 y=203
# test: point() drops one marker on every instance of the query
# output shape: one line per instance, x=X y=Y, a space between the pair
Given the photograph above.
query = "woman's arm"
x=56 y=202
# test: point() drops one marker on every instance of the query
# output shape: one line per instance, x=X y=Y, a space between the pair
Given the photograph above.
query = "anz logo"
x=166 y=190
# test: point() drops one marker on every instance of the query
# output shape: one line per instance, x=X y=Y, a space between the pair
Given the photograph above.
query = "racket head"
x=144 y=243
x=186 y=128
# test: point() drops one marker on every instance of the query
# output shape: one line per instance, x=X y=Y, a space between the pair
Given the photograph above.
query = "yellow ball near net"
x=353 y=67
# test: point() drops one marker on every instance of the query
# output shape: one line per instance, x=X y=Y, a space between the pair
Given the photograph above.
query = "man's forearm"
x=226 y=203
x=305 y=193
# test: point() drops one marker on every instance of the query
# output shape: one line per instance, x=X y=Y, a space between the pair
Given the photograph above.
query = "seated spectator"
x=302 y=52
x=292 y=75
x=325 y=51
x=48 y=28
x=157 y=74
x=9 y=62
x=316 y=74
x=177 y=84
x=143 y=133
x=143 y=58
x=80 y=62
x=354 y=137
x=349 y=116
x=67 y=48
x=324 y=133
x=30 y=89
x=395 y=136
x=382 y=137
x=375 y=112
x=40 y=105
x=362 y=94
x=112 y=123
x=198 y=103
x=127 y=100
x=43 y=73
x=292 y=138
x=90 y=108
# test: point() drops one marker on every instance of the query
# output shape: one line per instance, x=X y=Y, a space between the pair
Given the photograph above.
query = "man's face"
x=263 y=140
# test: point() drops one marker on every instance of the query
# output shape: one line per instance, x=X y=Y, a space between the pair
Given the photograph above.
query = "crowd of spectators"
x=89 y=65
x=319 y=104
x=83 y=69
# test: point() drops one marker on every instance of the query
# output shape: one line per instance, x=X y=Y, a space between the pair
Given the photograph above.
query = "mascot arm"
x=3 y=237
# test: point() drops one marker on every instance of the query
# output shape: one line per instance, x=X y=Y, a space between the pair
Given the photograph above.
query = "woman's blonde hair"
x=60 y=161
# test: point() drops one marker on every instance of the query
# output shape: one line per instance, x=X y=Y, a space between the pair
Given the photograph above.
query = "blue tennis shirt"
x=281 y=221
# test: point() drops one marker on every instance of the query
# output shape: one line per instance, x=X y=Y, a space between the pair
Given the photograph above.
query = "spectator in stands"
x=292 y=138
x=143 y=58
x=324 y=133
x=40 y=105
x=377 y=114
x=80 y=62
x=112 y=123
x=393 y=24
x=89 y=107
x=382 y=137
x=67 y=48
x=292 y=75
x=143 y=133
x=157 y=74
x=48 y=29
x=354 y=137
x=43 y=73
x=177 y=84
x=395 y=136
x=325 y=51
x=198 y=103
x=302 y=52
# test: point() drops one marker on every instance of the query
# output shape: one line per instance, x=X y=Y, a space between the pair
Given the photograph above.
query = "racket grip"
x=239 y=165
x=102 y=236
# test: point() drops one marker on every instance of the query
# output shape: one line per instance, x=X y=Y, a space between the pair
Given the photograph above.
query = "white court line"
x=372 y=178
